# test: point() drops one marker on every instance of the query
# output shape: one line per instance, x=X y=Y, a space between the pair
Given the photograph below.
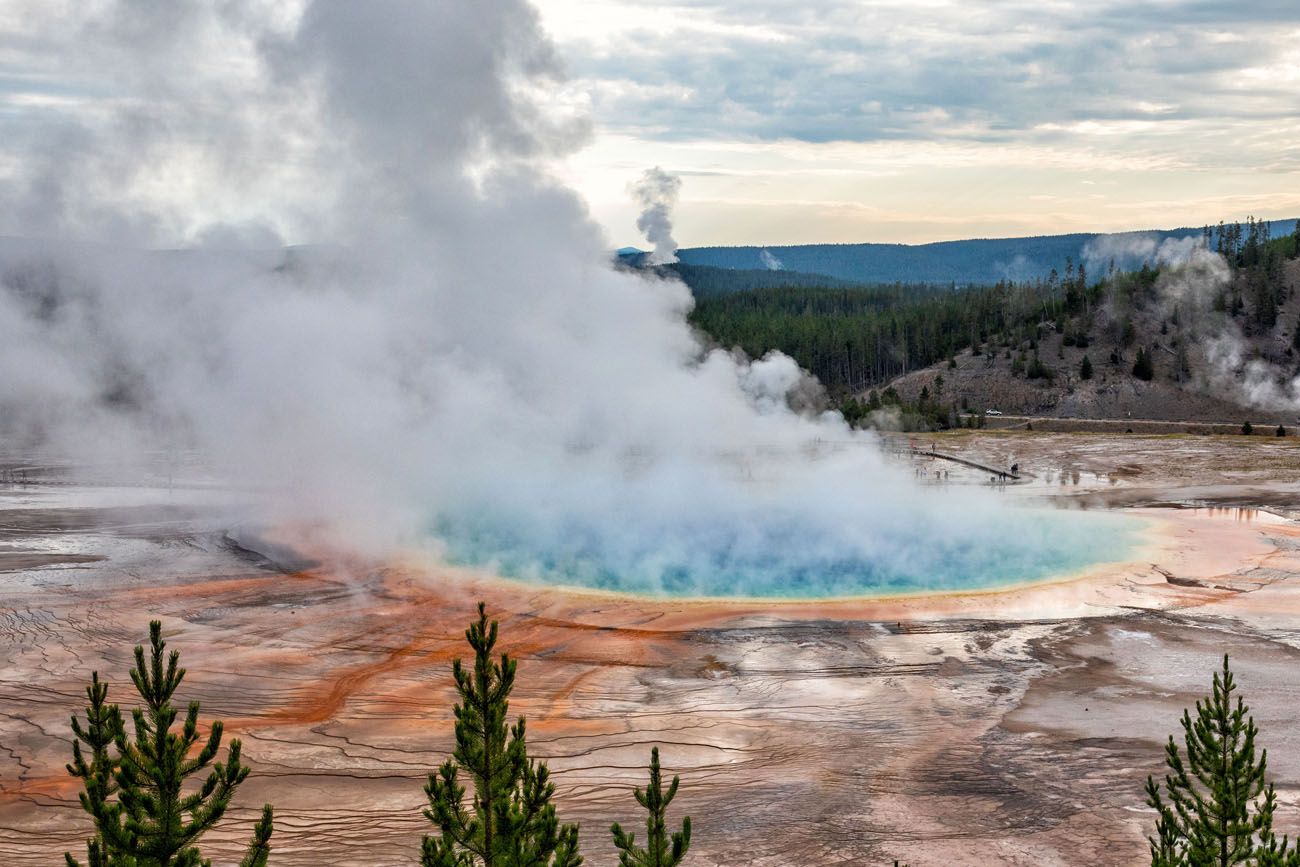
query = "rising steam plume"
x=656 y=192
x=452 y=356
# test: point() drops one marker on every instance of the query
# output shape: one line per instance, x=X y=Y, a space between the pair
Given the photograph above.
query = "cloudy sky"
x=834 y=120
x=876 y=120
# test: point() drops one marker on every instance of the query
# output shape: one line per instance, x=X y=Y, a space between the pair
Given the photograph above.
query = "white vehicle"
x=992 y=412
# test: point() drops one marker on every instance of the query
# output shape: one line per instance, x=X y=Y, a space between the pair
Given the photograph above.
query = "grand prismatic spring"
x=780 y=555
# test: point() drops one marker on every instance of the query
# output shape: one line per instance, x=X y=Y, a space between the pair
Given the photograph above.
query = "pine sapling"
x=661 y=849
x=510 y=820
x=154 y=821
x=1217 y=808
x=100 y=734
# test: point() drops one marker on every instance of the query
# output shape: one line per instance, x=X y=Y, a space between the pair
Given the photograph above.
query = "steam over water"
x=783 y=554
x=454 y=364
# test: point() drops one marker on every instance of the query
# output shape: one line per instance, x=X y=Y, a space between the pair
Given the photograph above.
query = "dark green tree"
x=100 y=734
x=1128 y=333
x=153 y=821
x=1281 y=431
x=1143 y=368
x=661 y=849
x=1217 y=809
x=1247 y=428
x=510 y=821
x=1085 y=368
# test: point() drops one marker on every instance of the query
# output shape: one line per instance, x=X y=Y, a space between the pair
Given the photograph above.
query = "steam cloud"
x=1234 y=370
x=454 y=362
x=1129 y=250
x=656 y=192
x=770 y=261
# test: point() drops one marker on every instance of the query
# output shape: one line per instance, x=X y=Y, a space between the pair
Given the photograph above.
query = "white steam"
x=1234 y=370
x=656 y=192
x=1128 y=251
x=1192 y=283
x=456 y=359
x=770 y=261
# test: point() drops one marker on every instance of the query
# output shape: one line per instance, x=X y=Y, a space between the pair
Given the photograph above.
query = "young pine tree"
x=661 y=849
x=136 y=792
x=1217 y=809
x=510 y=820
x=100 y=734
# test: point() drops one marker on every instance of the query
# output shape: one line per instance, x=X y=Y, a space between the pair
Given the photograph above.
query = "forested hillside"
x=1067 y=343
x=851 y=338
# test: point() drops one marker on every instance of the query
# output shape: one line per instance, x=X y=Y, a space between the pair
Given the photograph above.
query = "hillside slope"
x=1232 y=369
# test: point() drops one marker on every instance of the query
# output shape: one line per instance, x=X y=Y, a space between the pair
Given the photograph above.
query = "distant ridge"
x=981 y=260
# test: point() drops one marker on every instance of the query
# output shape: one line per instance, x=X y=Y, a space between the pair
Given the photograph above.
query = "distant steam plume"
x=1128 y=251
x=770 y=262
x=656 y=192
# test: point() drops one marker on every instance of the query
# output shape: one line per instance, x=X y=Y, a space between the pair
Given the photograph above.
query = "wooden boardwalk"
x=1003 y=475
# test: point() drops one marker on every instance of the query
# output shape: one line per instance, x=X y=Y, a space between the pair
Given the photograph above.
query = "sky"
x=875 y=120
x=828 y=121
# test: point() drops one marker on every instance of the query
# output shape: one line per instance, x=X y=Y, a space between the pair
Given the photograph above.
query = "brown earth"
x=1010 y=727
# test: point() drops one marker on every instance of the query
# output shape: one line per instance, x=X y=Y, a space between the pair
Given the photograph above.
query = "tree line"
x=853 y=338
x=1257 y=257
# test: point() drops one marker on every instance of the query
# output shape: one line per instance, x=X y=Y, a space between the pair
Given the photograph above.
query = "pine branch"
x=259 y=848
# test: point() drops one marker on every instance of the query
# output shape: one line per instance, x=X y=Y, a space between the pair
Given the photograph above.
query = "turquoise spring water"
x=775 y=554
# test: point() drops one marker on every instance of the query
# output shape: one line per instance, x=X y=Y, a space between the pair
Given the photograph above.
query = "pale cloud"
x=1179 y=112
x=880 y=120
x=858 y=71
